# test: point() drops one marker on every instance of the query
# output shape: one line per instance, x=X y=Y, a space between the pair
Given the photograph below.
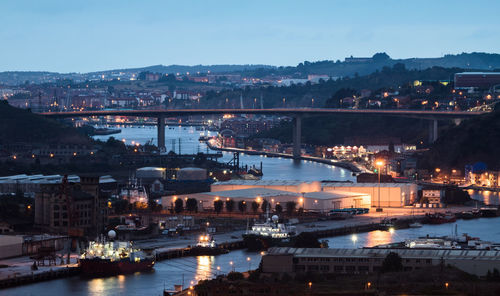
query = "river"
x=170 y=272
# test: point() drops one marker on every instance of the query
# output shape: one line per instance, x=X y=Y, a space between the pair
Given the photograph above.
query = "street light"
x=232 y=265
x=249 y=263
x=379 y=164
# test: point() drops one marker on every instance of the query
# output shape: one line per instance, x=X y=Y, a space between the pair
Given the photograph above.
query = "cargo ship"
x=108 y=258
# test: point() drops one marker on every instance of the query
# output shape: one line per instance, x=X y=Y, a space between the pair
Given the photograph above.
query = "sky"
x=93 y=35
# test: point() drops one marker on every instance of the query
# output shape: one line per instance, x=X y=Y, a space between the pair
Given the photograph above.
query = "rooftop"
x=265 y=182
x=406 y=253
x=252 y=193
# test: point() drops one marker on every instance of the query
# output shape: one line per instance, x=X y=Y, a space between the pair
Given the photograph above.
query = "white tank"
x=275 y=218
x=111 y=234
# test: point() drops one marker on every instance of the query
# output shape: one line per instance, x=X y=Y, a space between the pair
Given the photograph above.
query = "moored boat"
x=207 y=246
x=268 y=234
x=107 y=258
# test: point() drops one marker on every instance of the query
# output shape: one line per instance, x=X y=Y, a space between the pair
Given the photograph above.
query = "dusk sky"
x=83 y=36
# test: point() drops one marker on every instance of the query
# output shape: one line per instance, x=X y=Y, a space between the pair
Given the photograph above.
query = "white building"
x=309 y=201
x=391 y=194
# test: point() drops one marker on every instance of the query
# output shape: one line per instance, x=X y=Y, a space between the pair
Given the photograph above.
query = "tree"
x=242 y=206
x=278 y=208
x=255 y=206
x=192 y=205
x=290 y=207
x=178 y=205
x=392 y=263
x=234 y=276
x=229 y=205
x=218 y=205
x=264 y=206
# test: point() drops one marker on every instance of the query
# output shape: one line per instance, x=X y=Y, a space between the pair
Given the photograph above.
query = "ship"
x=439 y=218
x=108 y=258
x=269 y=234
x=207 y=246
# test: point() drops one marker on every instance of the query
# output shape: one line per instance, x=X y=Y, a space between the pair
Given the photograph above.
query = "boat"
x=488 y=212
x=415 y=225
x=388 y=223
x=106 y=131
x=108 y=258
x=207 y=246
x=134 y=192
x=439 y=218
x=268 y=234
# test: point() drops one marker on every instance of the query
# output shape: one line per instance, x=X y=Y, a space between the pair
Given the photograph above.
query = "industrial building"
x=288 y=185
x=391 y=194
x=309 y=201
x=324 y=260
x=30 y=184
x=74 y=208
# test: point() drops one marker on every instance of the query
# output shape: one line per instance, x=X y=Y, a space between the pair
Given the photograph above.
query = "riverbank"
x=342 y=164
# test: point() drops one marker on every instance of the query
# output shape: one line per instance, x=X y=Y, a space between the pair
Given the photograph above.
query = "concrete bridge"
x=296 y=113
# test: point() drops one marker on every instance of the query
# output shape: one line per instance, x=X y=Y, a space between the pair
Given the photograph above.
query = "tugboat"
x=108 y=258
x=207 y=246
x=268 y=234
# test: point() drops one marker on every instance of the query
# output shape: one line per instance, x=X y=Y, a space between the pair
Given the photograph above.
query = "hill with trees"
x=474 y=140
x=23 y=126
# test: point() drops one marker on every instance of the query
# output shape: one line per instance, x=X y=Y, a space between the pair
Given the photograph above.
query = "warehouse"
x=290 y=260
x=391 y=194
x=309 y=201
x=286 y=185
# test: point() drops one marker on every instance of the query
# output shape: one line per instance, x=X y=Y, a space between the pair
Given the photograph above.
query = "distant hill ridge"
x=348 y=67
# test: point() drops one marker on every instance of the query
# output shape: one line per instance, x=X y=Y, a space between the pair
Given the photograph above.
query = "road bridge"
x=296 y=113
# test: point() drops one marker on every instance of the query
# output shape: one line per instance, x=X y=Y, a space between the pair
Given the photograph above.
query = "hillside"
x=302 y=95
x=20 y=125
x=474 y=140
x=346 y=68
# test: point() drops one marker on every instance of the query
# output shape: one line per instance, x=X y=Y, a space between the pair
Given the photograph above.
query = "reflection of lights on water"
x=378 y=237
x=203 y=268
x=96 y=286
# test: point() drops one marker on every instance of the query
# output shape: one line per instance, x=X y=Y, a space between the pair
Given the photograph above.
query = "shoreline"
x=342 y=164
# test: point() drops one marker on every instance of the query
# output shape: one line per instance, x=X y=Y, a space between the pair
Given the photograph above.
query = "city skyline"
x=94 y=36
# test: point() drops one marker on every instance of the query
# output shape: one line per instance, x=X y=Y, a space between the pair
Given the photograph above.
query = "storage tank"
x=191 y=174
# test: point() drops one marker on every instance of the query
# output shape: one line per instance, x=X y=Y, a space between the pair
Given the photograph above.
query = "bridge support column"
x=433 y=130
x=297 y=129
x=161 y=133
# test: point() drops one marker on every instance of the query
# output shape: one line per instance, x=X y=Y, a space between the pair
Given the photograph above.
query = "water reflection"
x=204 y=267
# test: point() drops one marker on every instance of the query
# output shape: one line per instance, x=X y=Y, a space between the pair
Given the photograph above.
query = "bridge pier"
x=161 y=133
x=433 y=130
x=297 y=129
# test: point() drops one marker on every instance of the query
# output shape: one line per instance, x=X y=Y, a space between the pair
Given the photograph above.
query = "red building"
x=482 y=80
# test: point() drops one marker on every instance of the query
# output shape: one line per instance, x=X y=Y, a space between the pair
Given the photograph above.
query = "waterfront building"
x=319 y=201
x=391 y=194
x=355 y=261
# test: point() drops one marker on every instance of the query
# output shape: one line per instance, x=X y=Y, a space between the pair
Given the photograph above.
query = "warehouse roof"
x=332 y=194
x=265 y=182
x=348 y=184
x=252 y=193
x=374 y=252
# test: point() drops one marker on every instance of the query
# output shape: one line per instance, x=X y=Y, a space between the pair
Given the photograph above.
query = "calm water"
x=274 y=168
x=166 y=273
x=170 y=272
